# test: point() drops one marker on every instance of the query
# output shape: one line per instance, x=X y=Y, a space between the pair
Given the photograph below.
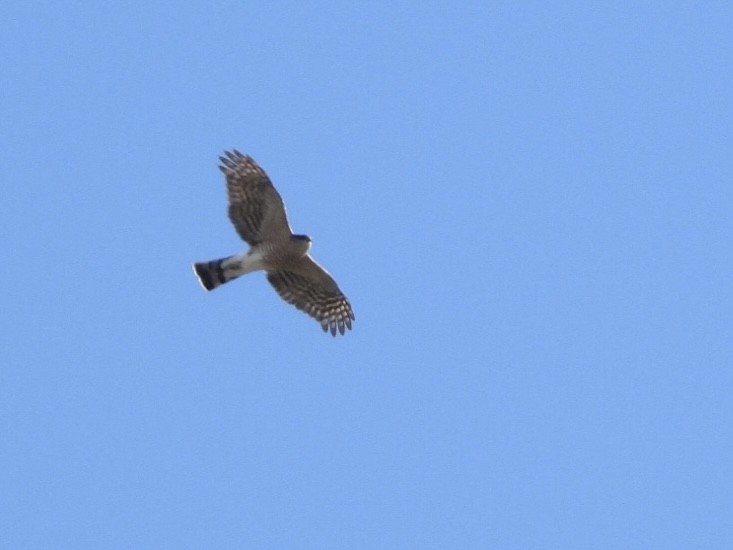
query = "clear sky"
x=529 y=205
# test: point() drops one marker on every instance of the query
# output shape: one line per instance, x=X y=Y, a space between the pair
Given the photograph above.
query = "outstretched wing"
x=310 y=288
x=255 y=206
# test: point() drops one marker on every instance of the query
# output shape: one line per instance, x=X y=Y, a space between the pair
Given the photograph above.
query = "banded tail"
x=211 y=274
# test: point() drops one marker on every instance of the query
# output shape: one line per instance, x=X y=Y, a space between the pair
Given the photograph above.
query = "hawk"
x=258 y=215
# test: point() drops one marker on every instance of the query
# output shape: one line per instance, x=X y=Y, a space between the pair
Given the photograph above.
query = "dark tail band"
x=210 y=274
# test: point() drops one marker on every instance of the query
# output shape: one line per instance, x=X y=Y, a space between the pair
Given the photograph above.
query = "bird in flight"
x=258 y=215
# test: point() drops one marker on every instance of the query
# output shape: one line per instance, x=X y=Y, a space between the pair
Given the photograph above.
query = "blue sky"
x=528 y=204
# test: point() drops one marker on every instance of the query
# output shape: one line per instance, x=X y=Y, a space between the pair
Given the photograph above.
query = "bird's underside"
x=258 y=215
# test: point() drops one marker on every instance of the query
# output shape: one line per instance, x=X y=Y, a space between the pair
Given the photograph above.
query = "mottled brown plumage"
x=258 y=214
x=255 y=207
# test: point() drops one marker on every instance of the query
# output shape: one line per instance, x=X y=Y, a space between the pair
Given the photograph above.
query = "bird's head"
x=303 y=241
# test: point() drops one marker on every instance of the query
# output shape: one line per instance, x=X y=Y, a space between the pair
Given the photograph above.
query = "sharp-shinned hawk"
x=258 y=215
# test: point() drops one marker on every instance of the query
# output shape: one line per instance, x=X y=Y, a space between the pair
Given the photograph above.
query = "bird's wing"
x=255 y=207
x=310 y=288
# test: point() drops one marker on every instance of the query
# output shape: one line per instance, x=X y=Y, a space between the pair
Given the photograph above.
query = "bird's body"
x=258 y=214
